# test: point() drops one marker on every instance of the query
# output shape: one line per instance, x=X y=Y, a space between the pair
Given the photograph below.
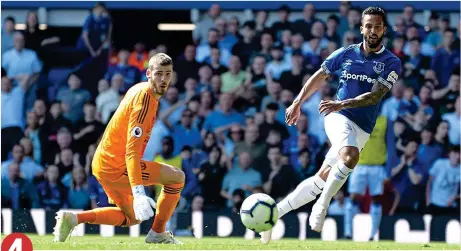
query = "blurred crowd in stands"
x=222 y=119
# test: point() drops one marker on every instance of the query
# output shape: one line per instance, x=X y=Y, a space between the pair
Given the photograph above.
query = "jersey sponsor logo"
x=360 y=77
x=379 y=67
x=136 y=132
x=392 y=77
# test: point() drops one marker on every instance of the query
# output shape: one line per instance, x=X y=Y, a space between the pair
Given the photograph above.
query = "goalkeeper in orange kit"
x=118 y=166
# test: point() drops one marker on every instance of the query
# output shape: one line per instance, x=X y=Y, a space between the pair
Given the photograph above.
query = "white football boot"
x=317 y=217
x=65 y=223
x=165 y=237
x=266 y=236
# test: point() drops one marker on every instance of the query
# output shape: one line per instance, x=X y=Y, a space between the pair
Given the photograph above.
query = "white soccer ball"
x=259 y=212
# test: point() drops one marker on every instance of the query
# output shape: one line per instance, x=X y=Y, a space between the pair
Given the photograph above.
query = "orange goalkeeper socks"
x=103 y=216
x=166 y=204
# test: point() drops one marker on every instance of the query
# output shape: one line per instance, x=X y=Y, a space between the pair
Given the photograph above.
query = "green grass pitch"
x=215 y=243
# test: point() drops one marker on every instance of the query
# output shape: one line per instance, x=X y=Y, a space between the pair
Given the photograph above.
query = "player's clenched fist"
x=142 y=204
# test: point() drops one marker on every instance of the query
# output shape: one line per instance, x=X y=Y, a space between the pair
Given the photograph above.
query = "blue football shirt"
x=358 y=74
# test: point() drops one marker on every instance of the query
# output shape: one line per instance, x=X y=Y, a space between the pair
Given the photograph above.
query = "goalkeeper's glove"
x=142 y=204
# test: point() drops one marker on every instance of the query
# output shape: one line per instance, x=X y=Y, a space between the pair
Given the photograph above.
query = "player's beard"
x=158 y=89
x=375 y=44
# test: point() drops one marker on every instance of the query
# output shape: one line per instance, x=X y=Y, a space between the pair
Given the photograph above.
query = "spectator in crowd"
x=453 y=120
x=17 y=192
x=28 y=169
x=79 y=197
x=8 y=33
x=438 y=26
x=270 y=122
x=234 y=78
x=397 y=47
x=344 y=8
x=12 y=113
x=415 y=64
x=52 y=193
x=223 y=115
x=441 y=135
x=97 y=32
x=446 y=97
x=203 y=26
x=107 y=101
x=139 y=57
x=87 y=130
x=409 y=21
x=442 y=189
x=305 y=165
x=292 y=79
x=243 y=177
x=280 y=179
x=73 y=99
x=284 y=22
x=65 y=162
x=57 y=121
x=131 y=74
x=214 y=61
x=35 y=134
x=331 y=33
x=248 y=45
x=204 y=83
x=428 y=150
x=210 y=177
x=291 y=144
x=304 y=25
x=190 y=168
x=183 y=133
x=446 y=60
x=186 y=66
x=354 y=18
x=407 y=177
x=204 y=50
x=254 y=145
x=23 y=67
x=36 y=38
x=276 y=66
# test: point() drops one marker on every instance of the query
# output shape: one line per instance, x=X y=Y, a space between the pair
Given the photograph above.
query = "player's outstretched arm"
x=312 y=85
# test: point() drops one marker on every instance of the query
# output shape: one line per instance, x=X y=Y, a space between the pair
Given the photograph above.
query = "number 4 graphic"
x=16 y=242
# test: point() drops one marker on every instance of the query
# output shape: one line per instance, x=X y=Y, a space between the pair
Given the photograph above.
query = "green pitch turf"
x=216 y=243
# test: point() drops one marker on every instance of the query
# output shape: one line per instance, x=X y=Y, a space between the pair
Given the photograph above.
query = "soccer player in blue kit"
x=367 y=73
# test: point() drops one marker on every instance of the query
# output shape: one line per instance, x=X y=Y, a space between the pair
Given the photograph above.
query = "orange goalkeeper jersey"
x=125 y=138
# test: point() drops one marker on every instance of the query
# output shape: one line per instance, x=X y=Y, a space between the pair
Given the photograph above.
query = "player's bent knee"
x=175 y=176
x=350 y=156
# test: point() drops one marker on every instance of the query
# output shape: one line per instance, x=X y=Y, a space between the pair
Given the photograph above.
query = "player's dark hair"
x=375 y=11
x=162 y=59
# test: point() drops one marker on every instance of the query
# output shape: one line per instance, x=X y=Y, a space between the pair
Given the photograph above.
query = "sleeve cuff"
x=384 y=82
x=138 y=190
x=325 y=69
